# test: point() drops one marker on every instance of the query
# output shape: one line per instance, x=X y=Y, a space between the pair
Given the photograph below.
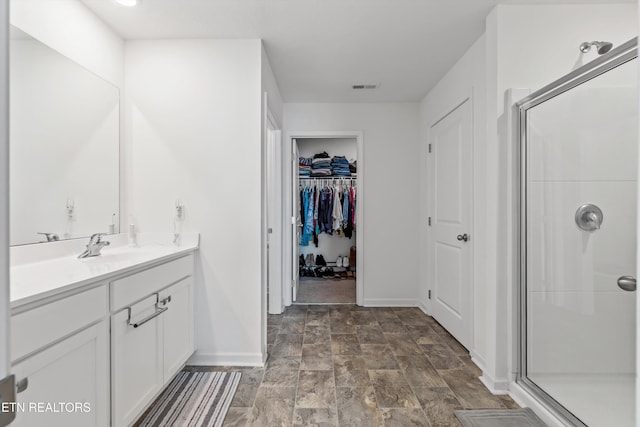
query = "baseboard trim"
x=227 y=359
x=500 y=386
x=384 y=302
x=478 y=360
x=423 y=306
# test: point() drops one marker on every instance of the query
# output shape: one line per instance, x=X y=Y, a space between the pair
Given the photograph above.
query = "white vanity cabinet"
x=95 y=341
x=151 y=334
x=60 y=353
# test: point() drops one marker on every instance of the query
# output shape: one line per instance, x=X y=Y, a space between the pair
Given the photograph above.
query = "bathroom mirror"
x=64 y=142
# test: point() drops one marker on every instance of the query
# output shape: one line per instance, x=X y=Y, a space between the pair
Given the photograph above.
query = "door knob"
x=628 y=283
x=463 y=237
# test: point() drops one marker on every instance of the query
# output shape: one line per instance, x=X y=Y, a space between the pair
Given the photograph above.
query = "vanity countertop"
x=45 y=270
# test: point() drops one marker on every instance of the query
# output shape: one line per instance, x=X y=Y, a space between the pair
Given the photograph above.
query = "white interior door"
x=295 y=219
x=451 y=145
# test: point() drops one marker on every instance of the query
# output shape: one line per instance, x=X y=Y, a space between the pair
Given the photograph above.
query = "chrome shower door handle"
x=463 y=237
x=627 y=283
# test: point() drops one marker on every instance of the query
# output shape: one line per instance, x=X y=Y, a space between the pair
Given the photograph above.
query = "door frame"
x=287 y=251
x=467 y=97
x=5 y=314
x=274 y=207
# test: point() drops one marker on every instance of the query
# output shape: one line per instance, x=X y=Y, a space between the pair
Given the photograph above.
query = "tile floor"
x=355 y=366
x=322 y=290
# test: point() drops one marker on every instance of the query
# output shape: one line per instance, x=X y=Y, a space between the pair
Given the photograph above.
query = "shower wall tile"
x=590 y=134
x=562 y=257
x=581 y=332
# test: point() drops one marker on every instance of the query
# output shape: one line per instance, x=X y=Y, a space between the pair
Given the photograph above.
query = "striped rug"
x=193 y=399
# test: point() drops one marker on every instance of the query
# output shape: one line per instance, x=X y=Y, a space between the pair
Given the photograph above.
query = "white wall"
x=465 y=80
x=390 y=199
x=538 y=44
x=193 y=120
x=73 y=30
x=330 y=246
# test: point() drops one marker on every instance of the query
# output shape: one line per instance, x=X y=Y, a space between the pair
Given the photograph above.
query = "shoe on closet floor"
x=339 y=262
x=309 y=260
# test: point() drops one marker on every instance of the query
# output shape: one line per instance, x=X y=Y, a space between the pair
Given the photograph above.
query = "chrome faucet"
x=94 y=246
x=51 y=237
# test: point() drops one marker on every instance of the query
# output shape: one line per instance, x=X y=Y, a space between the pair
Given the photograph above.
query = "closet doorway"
x=326 y=218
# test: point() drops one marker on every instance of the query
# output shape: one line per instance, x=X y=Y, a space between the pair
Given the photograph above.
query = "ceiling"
x=319 y=48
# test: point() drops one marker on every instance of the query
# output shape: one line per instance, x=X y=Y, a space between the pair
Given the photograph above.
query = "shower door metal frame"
x=616 y=57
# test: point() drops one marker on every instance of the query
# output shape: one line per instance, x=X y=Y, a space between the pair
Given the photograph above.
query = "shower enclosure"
x=578 y=192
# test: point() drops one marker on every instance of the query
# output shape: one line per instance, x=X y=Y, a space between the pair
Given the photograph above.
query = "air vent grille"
x=364 y=86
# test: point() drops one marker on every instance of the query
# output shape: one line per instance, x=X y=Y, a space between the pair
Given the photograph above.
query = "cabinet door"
x=68 y=383
x=136 y=364
x=178 y=326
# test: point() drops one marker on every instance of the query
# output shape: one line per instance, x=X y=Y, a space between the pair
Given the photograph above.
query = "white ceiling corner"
x=318 y=49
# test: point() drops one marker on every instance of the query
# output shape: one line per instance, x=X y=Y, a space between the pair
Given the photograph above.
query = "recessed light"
x=127 y=3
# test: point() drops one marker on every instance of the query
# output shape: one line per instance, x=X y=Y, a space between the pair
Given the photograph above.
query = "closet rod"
x=306 y=182
x=335 y=178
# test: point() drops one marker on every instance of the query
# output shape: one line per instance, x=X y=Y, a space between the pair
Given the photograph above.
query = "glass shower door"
x=579 y=250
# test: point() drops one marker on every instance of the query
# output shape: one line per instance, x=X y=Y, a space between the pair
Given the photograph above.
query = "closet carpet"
x=322 y=291
x=345 y=365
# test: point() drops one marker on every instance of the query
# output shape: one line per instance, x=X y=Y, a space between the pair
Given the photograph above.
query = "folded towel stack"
x=340 y=166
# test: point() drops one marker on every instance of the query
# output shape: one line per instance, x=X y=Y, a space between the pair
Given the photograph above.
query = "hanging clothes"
x=353 y=202
x=325 y=214
x=304 y=240
x=337 y=211
x=316 y=229
x=328 y=209
x=307 y=229
x=345 y=206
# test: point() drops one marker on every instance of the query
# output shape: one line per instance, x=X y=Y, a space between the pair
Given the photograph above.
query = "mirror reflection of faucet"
x=51 y=237
x=589 y=217
x=94 y=246
x=71 y=209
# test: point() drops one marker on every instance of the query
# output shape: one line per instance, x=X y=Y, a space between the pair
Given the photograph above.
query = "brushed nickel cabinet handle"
x=158 y=312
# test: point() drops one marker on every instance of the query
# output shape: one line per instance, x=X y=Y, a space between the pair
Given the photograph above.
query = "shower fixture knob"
x=627 y=283
x=589 y=217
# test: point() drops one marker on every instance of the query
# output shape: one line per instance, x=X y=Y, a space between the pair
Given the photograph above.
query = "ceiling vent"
x=364 y=86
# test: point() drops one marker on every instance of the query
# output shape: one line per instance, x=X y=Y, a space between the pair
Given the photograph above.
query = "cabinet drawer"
x=136 y=361
x=137 y=286
x=36 y=328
